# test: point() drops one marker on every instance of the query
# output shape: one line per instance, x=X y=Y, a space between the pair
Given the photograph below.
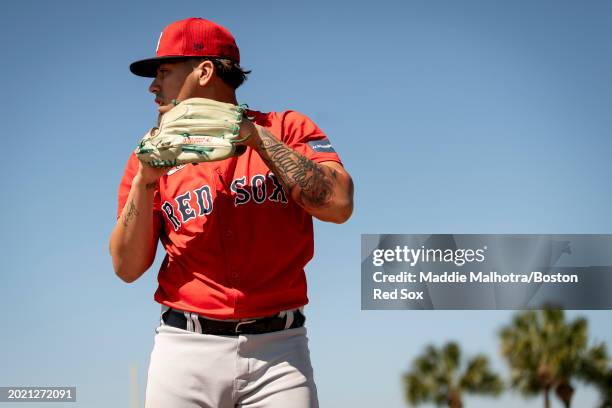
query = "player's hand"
x=248 y=130
x=148 y=175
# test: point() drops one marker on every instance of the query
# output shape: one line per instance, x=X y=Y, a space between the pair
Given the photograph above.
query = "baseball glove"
x=195 y=130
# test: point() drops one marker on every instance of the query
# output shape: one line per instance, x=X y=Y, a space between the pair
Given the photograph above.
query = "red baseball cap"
x=192 y=37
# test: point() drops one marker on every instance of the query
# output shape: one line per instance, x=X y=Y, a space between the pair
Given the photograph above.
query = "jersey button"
x=228 y=233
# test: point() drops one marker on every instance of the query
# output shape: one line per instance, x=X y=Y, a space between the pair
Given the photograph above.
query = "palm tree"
x=604 y=384
x=435 y=377
x=545 y=353
x=594 y=369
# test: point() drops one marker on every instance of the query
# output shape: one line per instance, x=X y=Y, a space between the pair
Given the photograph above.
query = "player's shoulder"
x=131 y=164
x=285 y=119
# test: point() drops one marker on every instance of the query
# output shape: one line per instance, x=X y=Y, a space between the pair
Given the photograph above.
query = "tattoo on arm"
x=315 y=183
x=130 y=213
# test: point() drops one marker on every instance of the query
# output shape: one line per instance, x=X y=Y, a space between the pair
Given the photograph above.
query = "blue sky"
x=452 y=117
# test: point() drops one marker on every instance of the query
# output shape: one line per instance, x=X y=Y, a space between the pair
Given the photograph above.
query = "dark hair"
x=229 y=71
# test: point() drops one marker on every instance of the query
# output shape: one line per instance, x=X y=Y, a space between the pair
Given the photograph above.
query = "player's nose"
x=154 y=87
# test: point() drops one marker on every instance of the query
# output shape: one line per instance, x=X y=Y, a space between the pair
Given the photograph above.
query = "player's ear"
x=205 y=70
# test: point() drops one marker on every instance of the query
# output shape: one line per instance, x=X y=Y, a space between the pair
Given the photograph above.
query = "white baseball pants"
x=193 y=370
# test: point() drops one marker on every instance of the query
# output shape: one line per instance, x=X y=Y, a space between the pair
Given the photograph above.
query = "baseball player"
x=237 y=234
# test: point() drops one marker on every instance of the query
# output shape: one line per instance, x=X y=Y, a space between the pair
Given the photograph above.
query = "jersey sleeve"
x=131 y=168
x=304 y=136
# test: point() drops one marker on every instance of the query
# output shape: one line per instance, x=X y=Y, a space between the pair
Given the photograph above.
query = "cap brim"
x=148 y=67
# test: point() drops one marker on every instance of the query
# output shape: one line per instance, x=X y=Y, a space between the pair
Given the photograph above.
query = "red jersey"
x=236 y=243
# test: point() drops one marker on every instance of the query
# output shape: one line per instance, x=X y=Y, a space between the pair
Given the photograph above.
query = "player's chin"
x=164 y=108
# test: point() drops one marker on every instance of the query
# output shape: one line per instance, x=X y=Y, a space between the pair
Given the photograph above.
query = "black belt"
x=177 y=318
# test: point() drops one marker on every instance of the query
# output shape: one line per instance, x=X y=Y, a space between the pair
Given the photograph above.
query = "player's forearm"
x=133 y=241
x=321 y=190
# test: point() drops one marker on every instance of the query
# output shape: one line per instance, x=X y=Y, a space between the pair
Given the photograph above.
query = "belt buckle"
x=241 y=323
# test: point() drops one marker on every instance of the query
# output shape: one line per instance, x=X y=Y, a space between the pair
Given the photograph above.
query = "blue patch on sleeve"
x=323 y=145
